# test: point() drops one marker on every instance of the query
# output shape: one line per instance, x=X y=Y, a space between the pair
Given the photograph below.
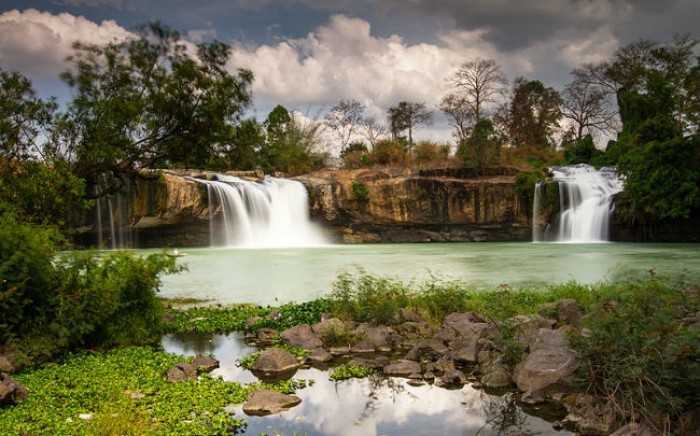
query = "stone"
x=182 y=372
x=319 y=356
x=462 y=322
x=266 y=402
x=6 y=365
x=266 y=336
x=11 y=392
x=363 y=347
x=527 y=326
x=569 y=312
x=548 y=339
x=402 y=368
x=322 y=327
x=340 y=350
x=427 y=350
x=302 y=336
x=414 y=330
x=465 y=350
x=589 y=415
x=451 y=378
x=545 y=367
x=496 y=376
x=205 y=363
x=275 y=364
x=634 y=429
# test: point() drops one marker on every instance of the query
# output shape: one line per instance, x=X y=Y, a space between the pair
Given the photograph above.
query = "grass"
x=125 y=391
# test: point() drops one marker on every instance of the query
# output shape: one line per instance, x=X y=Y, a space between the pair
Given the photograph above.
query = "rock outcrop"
x=266 y=402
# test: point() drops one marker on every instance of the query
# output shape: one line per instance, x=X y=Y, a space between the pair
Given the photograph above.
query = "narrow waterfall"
x=270 y=213
x=118 y=208
x=585 y=204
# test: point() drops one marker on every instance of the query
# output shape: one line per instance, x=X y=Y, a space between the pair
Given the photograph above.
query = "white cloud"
x=37 y=43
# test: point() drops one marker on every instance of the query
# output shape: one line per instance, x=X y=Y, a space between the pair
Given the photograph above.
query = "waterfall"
x=273 y=212
x=120 y=235
x=585 y=204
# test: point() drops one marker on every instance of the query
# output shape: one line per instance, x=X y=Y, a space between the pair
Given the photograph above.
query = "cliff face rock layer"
x=170 y=208
x=398 y=205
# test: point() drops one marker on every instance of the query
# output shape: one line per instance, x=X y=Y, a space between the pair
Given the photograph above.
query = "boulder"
x=266 y=402
x=302 y=336
x=496 y=376
x=11 y=392
x=569 y=312
x=363 y=347
x=545 y=367
x=427 y=350
x=182 y=372
x=266 y=336
x=411 y=329
x=527 y=326
x=462 y=322
x=451 y=378
x=205 y=363
x=319 y=356
x=275 y=364
x=402 y=368
x=548 y=339
x=589 y=415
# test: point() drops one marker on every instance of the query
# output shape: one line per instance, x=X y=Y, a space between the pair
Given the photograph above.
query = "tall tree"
x=149 y=101
x=408 y=116
x=345 y=120
x=460 y=114
x=587 y=107
x=373 y=130
x=483 y=146
x=533 y=114
x=479 y=82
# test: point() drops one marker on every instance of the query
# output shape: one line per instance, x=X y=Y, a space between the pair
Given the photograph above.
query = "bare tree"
x=480 y=82
x=588 y=108
x=344 y=119
x=460 y=115
x=373 y=130
x=407 y=116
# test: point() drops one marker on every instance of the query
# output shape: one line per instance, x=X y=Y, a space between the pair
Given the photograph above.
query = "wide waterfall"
x=270 y=213
x=585 y=204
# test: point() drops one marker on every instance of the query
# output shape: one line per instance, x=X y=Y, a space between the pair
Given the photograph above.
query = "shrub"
x=388 y=152
x=52 y=302
x=426 y=152
x=367 y=298
x=360 y=191
x=348 y=371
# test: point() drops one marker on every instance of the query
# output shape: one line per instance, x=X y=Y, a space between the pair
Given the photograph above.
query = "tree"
x=408 y=116
x=292 y=145
x=460 y=114
x=373 y=130
x=243 y=152
x=345 y=119
x=23 y=116
x=532 y=114
x=586 y=106
x=482 y=148
x=148 y=101
x=480 y=82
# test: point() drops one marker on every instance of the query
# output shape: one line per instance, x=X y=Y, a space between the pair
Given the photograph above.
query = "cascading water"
x=585 y=204
x=271 y=213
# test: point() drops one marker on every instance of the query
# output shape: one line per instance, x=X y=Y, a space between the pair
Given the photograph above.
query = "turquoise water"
x=277 y=275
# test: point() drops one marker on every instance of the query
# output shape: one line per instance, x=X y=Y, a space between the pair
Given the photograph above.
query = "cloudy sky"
x=308 y=54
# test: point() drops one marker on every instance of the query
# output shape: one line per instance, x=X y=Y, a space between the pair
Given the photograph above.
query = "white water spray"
x=271 y=213
x=585 y=204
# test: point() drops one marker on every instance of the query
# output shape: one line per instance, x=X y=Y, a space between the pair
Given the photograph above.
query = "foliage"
x=388 y=152
x=532 y=115
x=426 y=152
x=639 y=354
x=355 y=155
x=407 y=116
x=582 y=151
x=104 y=384
x=483 y=147
x=360 y=191
x=337 y=334
x=348 y=370
x=149 y=102
x=54 y=303
x=208 y=320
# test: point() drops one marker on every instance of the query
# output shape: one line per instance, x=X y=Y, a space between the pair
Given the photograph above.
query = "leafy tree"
x=483 y=147
x=292 y=145
x=533 y=114
x=148 y=102
x=244 y=150
x=408 y=116
x=582 y=150
x=480 y=82
x=345 y=119
x=23 y=116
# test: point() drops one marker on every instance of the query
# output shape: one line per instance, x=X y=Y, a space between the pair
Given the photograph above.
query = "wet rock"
x=589 y=415
x=527 y=327
x=545 y=367
x=402 y=368
x=11 y=392
x=451 y=378
x=205 y=363
x=182 y=372
x=340 y=350
x=496 y=376
x=427 y=350
x=267 y=402
x=275 y=364
x=266 y=336
x=363 y=347
x=319 y=356
x=634 y=429
x=302 y=336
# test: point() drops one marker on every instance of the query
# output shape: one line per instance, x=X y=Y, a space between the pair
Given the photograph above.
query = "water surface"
x=277 y=275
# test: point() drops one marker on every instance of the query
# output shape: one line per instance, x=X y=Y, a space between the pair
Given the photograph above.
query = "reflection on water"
x=371 y=406
x=269 y=276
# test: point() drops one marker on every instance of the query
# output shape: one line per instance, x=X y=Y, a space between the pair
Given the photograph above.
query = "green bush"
x=366 y=298
x=388 y=152
x=360 y=191
x=54 y=302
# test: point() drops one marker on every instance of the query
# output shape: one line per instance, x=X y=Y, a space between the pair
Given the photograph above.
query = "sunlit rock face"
x=400 y=205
